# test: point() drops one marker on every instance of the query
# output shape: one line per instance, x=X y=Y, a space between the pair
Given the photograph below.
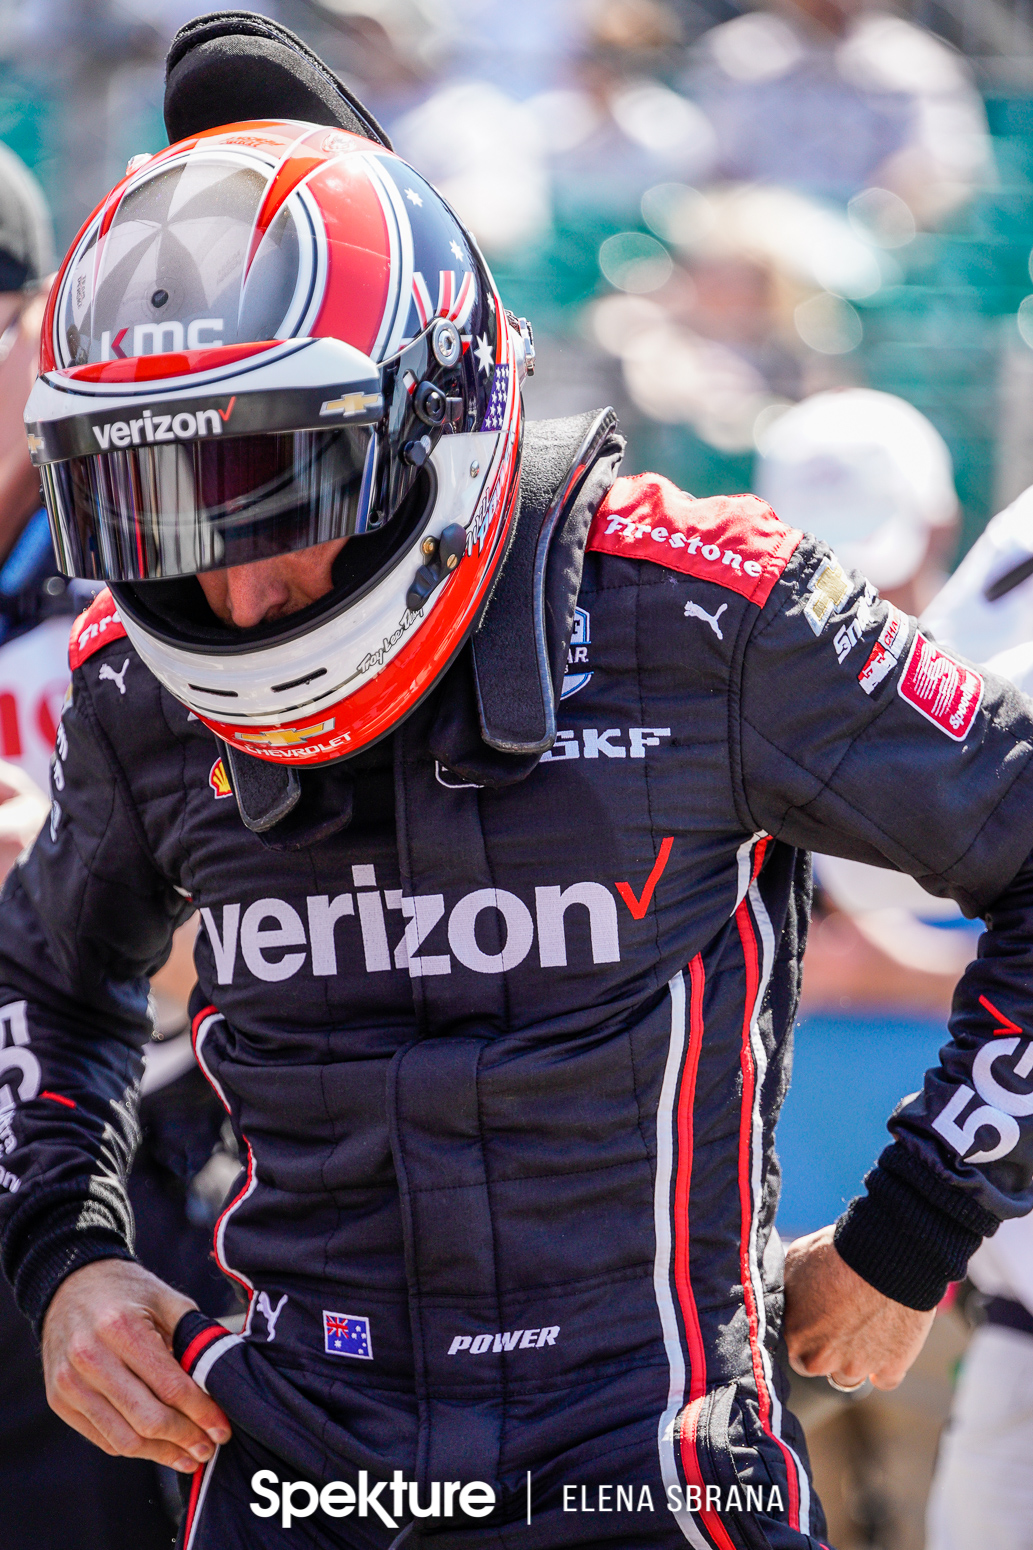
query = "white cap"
x=866 y=472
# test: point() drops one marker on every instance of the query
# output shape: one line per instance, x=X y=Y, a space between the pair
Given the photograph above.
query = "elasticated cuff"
x=61 y=1249
x=898 y=1241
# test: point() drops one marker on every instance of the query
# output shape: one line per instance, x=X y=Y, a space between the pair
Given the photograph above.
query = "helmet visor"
x=153 y=512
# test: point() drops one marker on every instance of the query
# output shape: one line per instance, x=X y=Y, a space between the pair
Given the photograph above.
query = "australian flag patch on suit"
x=347 y=1334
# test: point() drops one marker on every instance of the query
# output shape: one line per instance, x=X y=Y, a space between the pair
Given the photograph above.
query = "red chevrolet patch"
x=735 y=540
x=93 y=629
x=944 y=691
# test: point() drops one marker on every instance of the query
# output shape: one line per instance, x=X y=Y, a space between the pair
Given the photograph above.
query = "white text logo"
x=274 y=941
x=161 y=427
x=505 y=1340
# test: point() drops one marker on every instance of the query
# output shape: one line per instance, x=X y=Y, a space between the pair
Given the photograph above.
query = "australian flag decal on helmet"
x=347 y=1334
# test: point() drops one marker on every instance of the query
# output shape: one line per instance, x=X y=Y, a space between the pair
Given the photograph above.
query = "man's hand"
x=110 y=1372
x=838 y=1326
x=23 y=811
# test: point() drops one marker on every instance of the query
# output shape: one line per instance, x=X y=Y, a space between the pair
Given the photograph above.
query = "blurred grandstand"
x=707 y=212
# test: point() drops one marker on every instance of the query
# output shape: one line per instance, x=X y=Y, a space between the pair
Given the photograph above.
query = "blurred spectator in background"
x=35 y=604
x=986 y=608
x=832 y=97
x=983 y=1490
x=869 y=474
x=751 y=316
x=57 y=1489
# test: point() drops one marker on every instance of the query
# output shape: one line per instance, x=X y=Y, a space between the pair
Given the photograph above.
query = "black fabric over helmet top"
x=26 y=235
x=228 y=66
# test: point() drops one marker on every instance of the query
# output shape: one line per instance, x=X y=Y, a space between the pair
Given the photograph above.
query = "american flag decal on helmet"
x=496 y=411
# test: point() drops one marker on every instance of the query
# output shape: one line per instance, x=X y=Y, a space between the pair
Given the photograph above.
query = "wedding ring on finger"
x=844 y=1388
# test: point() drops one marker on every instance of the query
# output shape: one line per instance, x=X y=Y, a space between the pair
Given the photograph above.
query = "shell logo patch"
x=219 y=780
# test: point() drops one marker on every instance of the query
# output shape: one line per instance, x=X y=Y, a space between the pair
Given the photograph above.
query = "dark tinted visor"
x=153 y=512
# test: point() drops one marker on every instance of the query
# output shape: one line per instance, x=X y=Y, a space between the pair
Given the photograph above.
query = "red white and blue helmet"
x=268 y=336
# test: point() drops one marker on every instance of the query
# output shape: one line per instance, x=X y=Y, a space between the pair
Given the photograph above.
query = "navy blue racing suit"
x=505 y=1060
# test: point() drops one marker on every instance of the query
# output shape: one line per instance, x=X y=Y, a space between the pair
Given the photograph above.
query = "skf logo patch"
x=940 y=689
x=828 y=590
x=285 y=737
x=219 y=780
x=580 y=640
x=347 y=1334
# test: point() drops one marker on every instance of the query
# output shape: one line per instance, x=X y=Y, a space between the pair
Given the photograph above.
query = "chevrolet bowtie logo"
x=285 y=737
x=352 y=403
x=35 y=443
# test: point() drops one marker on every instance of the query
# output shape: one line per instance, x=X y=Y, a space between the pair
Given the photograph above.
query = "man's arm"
x=889 y=752
x=84 y=920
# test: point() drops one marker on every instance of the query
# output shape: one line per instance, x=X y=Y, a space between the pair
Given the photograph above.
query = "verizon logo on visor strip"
x=942 y=690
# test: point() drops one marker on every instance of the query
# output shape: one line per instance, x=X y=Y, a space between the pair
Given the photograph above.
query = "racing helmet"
x=269 y=336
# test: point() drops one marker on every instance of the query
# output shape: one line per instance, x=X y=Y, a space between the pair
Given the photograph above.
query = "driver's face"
x=246 y=595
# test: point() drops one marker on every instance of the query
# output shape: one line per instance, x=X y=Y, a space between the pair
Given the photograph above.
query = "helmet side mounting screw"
x=445 y=343
x=430 y=404
x=416 y=453
x=443 y=556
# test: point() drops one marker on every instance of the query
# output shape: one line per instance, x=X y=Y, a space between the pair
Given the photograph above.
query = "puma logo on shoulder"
x=694 y=611
x=107 y=671
x=270 y=1314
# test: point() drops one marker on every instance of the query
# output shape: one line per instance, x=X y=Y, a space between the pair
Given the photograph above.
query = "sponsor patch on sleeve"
x=886 y=652
x=943 y=691
x=827 y=590
x=94 y=628
x=735 y=540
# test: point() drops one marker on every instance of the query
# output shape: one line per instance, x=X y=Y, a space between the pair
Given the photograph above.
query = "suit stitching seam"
x=120 y=777
x=518 y=1178
x=654 y=907
x=825 y=785
x=182 y=817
